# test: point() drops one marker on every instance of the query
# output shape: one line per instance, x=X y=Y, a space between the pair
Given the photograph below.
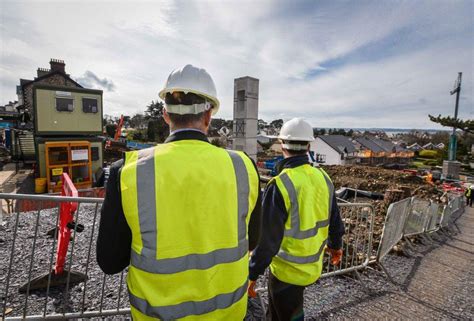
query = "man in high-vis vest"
x=182 y=215
x=300 y=218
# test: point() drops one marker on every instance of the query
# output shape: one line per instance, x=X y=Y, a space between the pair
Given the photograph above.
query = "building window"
x=320 y=159
x=65 y=104
x=89 y=105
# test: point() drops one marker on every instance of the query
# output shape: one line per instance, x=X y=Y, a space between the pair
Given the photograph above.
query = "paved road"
x=439 y=285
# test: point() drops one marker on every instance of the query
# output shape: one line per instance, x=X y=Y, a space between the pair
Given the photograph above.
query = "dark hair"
x=185 y=120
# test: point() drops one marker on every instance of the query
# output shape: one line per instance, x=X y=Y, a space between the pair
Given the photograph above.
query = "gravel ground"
x=329 y=298
x=434 y=282
x=56 y=302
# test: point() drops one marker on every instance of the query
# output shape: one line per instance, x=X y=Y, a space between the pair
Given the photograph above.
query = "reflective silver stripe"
x=147 y=261
x=147 y=200
x=295 y=231
x=331 y=192
x=302 y=259
x=190 y=261
x=181 y=310
x=294 y=207
x=307 y=233
x=243 y=191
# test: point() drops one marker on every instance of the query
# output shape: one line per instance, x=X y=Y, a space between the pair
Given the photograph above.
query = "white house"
x=333 y=150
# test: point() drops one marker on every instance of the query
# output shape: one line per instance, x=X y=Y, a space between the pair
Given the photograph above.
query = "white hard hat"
x=190 y=79
x=296 y=129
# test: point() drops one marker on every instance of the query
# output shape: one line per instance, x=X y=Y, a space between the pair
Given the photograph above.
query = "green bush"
x=429 y=154
x=431 y=162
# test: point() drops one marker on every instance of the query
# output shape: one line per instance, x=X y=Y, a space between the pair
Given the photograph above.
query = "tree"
x=277 y=123
x=138 y=121
x=158 y=129
x=110 y=129
x=262 y=124
x=448 y=121
x=154 y=110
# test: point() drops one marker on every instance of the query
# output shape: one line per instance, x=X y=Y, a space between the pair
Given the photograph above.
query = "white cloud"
x=364 y=64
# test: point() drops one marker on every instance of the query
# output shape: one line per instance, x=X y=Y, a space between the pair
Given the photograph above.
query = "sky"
x=335 y=63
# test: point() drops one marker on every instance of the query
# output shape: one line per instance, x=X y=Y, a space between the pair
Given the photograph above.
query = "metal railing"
x=419 y=214
x=29 y=284
x=29 y=252
x=393 y=227
x=358 y=221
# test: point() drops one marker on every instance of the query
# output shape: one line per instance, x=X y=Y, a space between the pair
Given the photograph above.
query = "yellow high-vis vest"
x=307 y=193
x=188 y=205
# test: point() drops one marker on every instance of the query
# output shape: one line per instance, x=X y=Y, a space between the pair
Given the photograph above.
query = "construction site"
x=402 y=227
x=236 y=160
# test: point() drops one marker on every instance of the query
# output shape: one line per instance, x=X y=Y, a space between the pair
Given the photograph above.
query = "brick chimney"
x=57 y=65
x=42 y=71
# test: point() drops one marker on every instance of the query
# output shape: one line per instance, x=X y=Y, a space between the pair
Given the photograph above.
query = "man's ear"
x=207 y=117
x=166 y=117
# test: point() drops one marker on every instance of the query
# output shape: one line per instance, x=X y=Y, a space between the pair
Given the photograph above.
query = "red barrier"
x=66 y=216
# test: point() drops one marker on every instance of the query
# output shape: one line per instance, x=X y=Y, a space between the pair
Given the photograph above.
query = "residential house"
x=333 y=150
x=415 y=147
x=368 y=152
x=429 y=146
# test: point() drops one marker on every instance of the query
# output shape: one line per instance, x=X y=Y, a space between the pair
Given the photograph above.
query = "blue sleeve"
x=274 y=216
x=336 y=227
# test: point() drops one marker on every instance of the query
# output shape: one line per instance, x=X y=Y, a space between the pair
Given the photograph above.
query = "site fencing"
x=417 y=218
x=394 y=224
x=29 y=263
x=413 y=217
x=358 y=221
x=29 y=252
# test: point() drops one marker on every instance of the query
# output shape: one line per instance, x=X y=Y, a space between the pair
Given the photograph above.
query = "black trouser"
x=285 y=301
x=469 y=201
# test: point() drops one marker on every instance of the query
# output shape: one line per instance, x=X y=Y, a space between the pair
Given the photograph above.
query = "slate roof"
x=370 y=144
x=339 y=143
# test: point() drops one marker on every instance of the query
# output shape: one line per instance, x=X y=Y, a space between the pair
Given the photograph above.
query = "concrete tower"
x=246 y=115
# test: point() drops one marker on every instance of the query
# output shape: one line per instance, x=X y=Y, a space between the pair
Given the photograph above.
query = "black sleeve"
x=115 y=238
x=255 y=222
x=336 y=227
x=274 y=216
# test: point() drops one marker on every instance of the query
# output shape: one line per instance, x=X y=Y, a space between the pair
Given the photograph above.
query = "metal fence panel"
x=417 y=217
x=434 y=217
x=446 y=217
x=358 y=220
x=392 y=231
x=29 y=252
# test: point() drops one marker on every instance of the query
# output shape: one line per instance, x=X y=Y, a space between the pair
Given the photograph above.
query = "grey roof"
x=387 y=145
x=339 y=143
x=370 y=144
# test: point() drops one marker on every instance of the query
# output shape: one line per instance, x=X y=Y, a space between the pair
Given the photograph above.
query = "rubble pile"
x=392 y=183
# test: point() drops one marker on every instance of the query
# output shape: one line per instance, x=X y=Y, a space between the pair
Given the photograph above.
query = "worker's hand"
x=251 y=289
x=336 y=255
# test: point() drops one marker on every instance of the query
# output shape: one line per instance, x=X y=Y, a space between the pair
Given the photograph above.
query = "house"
x=333 y=150
x=62 y=111
x=415 y=147
x=368 y=152
x=440 y=146
x=429 y=146
x=377 y=151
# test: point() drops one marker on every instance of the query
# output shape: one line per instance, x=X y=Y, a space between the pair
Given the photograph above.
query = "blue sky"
x=335 y=63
